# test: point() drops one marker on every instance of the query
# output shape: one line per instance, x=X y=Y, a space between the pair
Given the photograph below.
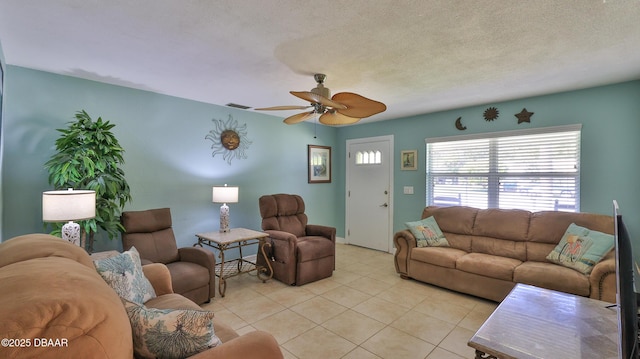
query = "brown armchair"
x=192 y=268
x=300 y=253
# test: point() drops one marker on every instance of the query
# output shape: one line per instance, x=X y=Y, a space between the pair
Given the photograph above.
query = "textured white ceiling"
x=415 y=56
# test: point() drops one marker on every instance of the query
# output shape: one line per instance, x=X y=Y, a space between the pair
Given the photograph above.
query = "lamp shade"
x=70 y=205
x=225 y=194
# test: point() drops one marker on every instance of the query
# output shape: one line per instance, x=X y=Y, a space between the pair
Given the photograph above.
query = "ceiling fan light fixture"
x=343 y=108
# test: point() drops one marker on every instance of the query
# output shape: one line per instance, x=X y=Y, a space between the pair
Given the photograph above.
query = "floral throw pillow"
x=581 y=248
x=427 y=233
x=170 y=333
x=124 y=274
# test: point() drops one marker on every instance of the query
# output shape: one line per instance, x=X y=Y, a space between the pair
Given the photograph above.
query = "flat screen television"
x=626 y=294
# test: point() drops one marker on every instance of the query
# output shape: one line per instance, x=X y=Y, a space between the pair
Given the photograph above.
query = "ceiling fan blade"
x=279 y=108
x=315 y=98
x=333 y=118
x=298 y=118
x=358 y=106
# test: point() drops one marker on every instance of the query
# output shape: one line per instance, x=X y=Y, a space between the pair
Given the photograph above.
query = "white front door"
x=369 y=207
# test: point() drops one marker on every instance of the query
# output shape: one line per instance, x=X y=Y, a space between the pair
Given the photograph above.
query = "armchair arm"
x=203 y=257
x=160 y=278
x=283 y=246
x=404 y=242
x=253 y=345
x=603 y=279
x=198 y=255
x=323 y=231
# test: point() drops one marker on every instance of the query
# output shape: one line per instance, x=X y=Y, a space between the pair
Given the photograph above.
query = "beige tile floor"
x=365 y=310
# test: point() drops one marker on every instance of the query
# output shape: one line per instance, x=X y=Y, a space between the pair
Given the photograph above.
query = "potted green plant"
x=89 y=157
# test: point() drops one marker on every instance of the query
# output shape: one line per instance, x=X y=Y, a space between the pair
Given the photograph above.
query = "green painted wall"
x=2 y=67
x=169 y=162
x=610 y=118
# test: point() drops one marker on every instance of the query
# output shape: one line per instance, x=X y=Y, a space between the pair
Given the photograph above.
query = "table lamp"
x=224 y=195
x=69 y=205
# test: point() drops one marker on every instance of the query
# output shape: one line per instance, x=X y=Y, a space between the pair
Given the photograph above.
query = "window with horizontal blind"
x=535 y=170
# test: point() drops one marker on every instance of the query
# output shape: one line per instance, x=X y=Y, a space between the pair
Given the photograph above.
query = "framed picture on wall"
x=409 y=160
x=319 y=163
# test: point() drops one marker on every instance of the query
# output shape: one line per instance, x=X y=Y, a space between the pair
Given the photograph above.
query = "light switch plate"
x=408 y=189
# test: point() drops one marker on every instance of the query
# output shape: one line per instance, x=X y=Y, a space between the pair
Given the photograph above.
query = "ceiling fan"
x=343 y=108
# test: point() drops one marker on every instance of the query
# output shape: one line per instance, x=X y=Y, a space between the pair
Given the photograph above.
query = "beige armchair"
x=192 y=268
x=300 y=253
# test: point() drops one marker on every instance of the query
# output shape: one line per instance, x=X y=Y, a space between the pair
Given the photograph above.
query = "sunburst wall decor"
x=229 y=139
x=491 y=114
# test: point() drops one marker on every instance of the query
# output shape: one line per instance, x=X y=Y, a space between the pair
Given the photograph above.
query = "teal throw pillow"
x=124 y=274
x=581 y=248
x=170 y=333
x=427 y=233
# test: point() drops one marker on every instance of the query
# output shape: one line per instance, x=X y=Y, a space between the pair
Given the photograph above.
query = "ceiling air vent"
x=242 y=107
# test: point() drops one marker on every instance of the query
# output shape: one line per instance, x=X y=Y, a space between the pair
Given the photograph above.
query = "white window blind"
x=532 y=169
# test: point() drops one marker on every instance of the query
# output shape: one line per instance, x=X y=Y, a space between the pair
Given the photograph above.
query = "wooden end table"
x=237 y=238
x=533 y=322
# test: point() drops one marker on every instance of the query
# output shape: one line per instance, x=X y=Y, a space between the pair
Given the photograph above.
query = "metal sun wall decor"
x=229 y=139
x=491 y=114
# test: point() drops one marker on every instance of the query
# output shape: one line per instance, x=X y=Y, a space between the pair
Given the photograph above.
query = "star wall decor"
x=524 y=116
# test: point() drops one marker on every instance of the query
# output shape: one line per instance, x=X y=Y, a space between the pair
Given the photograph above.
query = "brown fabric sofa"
x=50 y=289
x=493 y=249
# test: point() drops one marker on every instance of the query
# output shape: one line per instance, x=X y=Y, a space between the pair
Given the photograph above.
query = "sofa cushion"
x=427 y=233
x=441 y=256
x=58 y=298
x=314 y=247
x=511 y=224
x=175 y=301
x=581 y=248
x=453 y=219
x=552 y=276
x=499 y=247
x=170 y=333
x=549 y=226
x=124 y=274
x=488 y=265
x=40 y=245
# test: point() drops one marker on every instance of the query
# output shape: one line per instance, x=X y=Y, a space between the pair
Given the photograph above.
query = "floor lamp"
x=224 y=195
x=69 y=205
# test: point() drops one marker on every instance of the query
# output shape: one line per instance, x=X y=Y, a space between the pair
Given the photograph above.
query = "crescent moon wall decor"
x=524 y=116
x=228 y=139
x=459 y=125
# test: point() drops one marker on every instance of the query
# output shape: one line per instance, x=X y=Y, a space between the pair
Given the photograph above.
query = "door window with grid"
x=535 y=170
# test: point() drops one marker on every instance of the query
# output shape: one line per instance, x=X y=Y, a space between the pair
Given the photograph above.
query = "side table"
x=236 y=238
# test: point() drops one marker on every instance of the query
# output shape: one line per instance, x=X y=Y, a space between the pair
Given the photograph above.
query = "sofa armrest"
x=603 y=279
x=283 y=246
x=323 y=231
x=253 y=345
x=404 y=242
x=160 y=278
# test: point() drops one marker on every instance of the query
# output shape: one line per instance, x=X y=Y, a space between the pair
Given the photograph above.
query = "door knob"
x=384 y=205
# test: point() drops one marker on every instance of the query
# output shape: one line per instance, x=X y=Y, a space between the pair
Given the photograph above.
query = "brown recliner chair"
x=300 y=253
x=192 y=268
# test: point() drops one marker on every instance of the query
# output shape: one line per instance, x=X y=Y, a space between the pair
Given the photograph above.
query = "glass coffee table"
x=237 y=238
x=533 y=322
